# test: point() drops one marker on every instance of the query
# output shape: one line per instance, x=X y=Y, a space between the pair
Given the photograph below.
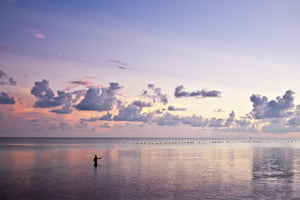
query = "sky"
x=140 y=68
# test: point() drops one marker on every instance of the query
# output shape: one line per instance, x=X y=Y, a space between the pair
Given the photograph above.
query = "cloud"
x=287 y=123
x=141 y=104
x=36 y=33
x=99 y=99
x=78 y=94
x=195 y=121
x=90 y=77
x=106 y=117
x=276 y=125
x=113 y=87
x=51 y=127
x=11 y=81
x=115 y=61
x=214 y=122
x=122 y=67
x=179 y=92
x=199 y=121
x=5 y=99
x=219 y=110
x=168 y=120
x=243 y=123
x=82 y=82
x=2 y=74
x=46 y=97
x=295 y=119
x=34 y=120
x=72 y=97
x=131 y=113
x=92 y=119
x=155 y=94
x=6 y=80
x=279 y=108
x=65 y=126
x=65 y=109
x=105 y=125
x=230 y=119
x=82 y=125
x=282 y=125
x=120 y=64
x=172 y=108
x=158 y=111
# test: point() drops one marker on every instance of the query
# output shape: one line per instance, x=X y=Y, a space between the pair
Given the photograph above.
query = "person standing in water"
x=96 y=160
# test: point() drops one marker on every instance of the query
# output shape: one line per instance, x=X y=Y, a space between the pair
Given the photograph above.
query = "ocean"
x=149 y=168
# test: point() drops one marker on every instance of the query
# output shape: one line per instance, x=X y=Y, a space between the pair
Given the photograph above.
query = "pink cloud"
x=37 y=33
x=90 y=77
x=82 y=82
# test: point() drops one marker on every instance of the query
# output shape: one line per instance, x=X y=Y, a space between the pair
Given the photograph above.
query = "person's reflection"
x=96 y=160
x=272 y=172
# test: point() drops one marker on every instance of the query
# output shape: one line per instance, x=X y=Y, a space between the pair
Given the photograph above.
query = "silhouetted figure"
x=96 y=160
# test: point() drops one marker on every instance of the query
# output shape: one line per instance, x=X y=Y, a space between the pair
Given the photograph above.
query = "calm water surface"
x=149 y=169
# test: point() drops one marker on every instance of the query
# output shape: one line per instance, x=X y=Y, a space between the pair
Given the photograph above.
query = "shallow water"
x=149 y=169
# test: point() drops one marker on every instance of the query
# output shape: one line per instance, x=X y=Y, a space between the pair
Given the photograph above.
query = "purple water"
x=149 y=169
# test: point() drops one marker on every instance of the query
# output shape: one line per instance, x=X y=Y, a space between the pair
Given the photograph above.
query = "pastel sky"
x=140 y=68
